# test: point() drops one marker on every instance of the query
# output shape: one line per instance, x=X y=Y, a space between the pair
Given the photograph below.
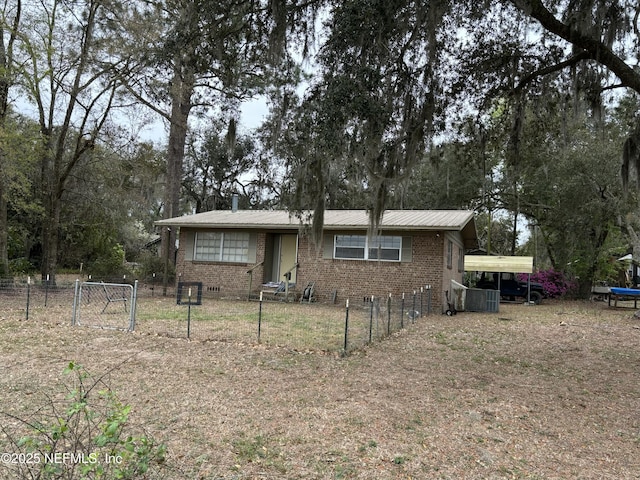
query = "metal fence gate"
x=105 y=305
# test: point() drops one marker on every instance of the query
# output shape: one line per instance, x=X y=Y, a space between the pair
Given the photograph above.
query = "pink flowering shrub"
x=555 y=284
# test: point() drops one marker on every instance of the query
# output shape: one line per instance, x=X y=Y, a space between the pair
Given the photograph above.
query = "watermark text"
x=59 y=458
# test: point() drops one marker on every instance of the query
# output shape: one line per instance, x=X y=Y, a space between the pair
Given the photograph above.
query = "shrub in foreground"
x=82 y=436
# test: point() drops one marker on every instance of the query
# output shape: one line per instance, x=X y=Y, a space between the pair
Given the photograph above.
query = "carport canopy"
x=497 y=263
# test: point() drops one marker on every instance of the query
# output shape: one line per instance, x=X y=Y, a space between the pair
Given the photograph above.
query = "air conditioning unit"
x=482 y=300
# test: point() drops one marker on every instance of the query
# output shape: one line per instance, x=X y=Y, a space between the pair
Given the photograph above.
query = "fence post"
x=346 y=328
x=389 y=314
x=260 y=316
x=28 y=296
x=189 y=315
x=371 y=321
x=402 y=312
x=413 y=313
x=421 y=302
x=46 y=291
x=428 y=287
x=74 y=310
x=132 y=310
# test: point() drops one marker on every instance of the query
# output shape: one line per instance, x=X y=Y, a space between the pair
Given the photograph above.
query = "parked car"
x=510 y=287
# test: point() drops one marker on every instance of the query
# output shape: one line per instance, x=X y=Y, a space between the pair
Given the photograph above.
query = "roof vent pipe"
x=234 y=202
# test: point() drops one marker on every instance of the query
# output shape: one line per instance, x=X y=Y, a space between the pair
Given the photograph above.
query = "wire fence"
x=35 y=301
x=213 y=316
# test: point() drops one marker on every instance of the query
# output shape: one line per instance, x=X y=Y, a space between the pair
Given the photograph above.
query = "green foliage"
x=150 y=264
x=368 y=115
x=109 y=201
x=609 y=269
x=19 y=147
x=20 y=144
x=20 y=266
x=83 y=436
x=501 y=235
x=450 y=177
x=109 y=262
x=214 y=170
x=574 y=194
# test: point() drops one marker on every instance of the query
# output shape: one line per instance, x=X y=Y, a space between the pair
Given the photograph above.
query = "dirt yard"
x=551 y=391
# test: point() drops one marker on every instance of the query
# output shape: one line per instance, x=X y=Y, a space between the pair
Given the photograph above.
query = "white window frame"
x=370 y=245
x=230 y=249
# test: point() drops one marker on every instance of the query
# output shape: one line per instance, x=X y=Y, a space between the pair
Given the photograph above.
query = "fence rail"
x=205 y=315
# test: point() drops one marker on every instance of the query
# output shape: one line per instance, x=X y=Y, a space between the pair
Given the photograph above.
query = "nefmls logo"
x=71 y=458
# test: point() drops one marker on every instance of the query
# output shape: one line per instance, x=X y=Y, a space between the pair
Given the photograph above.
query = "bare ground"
x=551 y=391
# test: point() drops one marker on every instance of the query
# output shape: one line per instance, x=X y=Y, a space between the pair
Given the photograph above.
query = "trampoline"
x=619 y=293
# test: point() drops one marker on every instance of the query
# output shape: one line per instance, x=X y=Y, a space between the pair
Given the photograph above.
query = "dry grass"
x=551 y=391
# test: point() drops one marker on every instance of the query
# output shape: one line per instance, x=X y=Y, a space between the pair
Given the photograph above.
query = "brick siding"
x=353 y=279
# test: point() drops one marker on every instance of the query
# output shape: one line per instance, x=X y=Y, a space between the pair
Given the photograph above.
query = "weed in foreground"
x=84 y=435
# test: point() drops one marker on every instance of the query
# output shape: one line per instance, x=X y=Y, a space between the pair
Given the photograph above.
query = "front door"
x=288 y=255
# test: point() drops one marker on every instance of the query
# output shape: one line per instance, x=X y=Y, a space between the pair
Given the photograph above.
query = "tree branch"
x=551 y=69
x=596 y=48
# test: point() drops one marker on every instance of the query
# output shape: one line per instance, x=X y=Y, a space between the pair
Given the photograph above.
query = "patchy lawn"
x=551 y=391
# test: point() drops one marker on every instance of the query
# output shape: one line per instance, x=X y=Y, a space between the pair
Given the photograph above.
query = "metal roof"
x=399 y=220
x=358 y=219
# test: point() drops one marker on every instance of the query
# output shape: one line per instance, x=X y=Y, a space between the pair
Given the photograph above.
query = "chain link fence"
x=105 y=305
x=214 y=316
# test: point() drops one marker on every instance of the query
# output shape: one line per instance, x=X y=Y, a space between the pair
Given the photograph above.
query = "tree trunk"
x=49 y=182
x=4 y=227
x=514 y=233
x=182 y=89
x=584 y=287
x=50 y=240
x=4 y=204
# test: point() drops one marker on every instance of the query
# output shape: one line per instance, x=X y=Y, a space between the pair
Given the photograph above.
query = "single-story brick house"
x=412 y=249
